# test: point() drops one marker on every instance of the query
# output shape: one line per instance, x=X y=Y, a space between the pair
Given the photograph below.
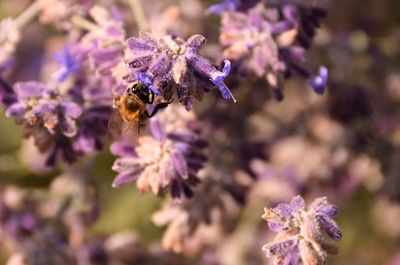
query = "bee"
x=130 y=109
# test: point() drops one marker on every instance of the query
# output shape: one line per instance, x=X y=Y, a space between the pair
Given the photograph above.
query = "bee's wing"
x=122 y=130
x=130 y=131
x=115 y=124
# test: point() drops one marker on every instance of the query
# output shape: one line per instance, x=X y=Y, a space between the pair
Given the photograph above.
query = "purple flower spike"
x=302 y=232
x=147 y=81
x=69 y=65
x=170 y=65
x=280 y=34
x=162 y=161
x=318 y=83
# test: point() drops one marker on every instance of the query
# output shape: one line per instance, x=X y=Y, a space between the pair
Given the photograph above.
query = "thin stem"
x=25 y=17
x=30 y=13
x=139 y=14
x=83 y=23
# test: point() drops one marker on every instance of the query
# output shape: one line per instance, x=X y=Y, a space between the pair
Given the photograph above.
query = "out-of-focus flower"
x=104 y=43
x=69 y=65
x=202 y=220
x=167 y=159
x=269 y=40
x=167 y=64
x=231 y=5
x=19 y=217
x=273 y=185
x=303 y=234
x=9 y=38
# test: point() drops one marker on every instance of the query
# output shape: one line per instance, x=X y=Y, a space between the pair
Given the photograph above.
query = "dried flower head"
x=304 y=235
x=269 y=40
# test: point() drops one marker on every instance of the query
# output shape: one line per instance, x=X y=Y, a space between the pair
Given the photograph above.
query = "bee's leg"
x=158 y=107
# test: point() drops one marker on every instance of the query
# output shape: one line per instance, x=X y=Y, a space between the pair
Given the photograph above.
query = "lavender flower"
x=302 y=233
x=269 y=40
x=104 y=43
x=18 y=216
x=167 y=64
x=166 y=160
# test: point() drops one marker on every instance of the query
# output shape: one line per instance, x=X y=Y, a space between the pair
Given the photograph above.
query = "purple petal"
x=126 y=164
x=141 y=62
x=328 y=209
x=161 y=66
x=147 y=81
x=157 y=131
x=218 y=80
x=68 y=127
x=138 y=45
x=125 y=178
x=330 y=227
x=71 y=109
x=105 y=54
x=85 y=144
x=284 y=209
x=318 y=83
x=276 y=226
x=180 y=164
x=290 y=13
x=16 y=109
x=279 y=248
x=227 y=5
x=297 y=203
x=195 y=42
x=122 y=149
x=26 y=90
x=206 y=69
x=292 y=257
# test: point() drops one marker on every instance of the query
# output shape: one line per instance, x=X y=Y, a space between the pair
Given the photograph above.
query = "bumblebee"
x=130 y=109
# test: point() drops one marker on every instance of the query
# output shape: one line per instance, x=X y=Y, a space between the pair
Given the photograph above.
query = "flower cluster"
x=168 y=64
x=303 y=234
x=18 y=216
x=167 y=159
x=269 y=40
x=203 y=220
x=62 y=124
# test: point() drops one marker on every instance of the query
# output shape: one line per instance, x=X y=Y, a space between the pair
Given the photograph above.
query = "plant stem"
x=83 y=23
x=139 y=14
x=30 y=13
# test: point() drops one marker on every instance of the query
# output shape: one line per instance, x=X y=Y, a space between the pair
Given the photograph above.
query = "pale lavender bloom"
x=63 y=125
x=269 y=41
x=163 y=161
x=18 y=224
x=303 y=233
x=169 y=65
x=106 y=45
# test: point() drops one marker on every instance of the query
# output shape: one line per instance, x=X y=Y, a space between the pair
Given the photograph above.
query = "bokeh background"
x=343 y=144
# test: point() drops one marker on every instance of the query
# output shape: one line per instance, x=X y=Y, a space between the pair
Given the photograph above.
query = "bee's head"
x=139 y=90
